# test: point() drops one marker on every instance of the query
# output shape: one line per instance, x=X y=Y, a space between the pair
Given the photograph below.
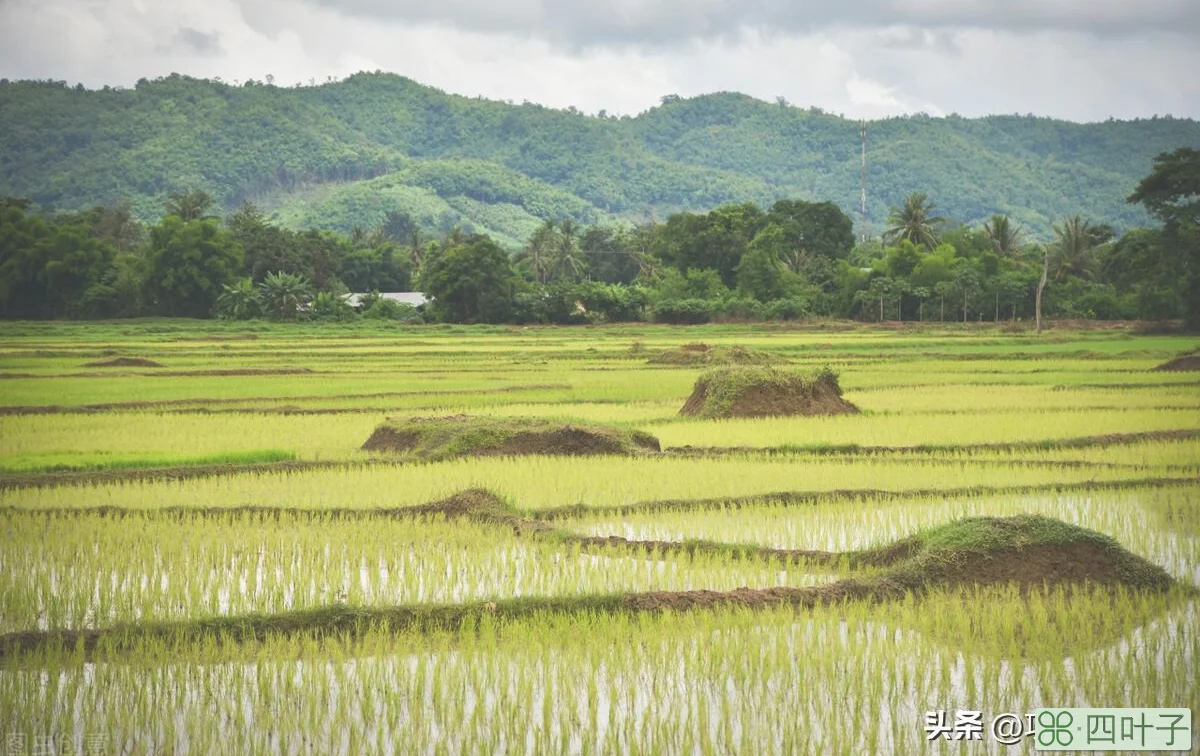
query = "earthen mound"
x=125 y=362
x=430 y=438
x=766 y=392
x=1029 y=550
x=700 y=354
x=1188 y=363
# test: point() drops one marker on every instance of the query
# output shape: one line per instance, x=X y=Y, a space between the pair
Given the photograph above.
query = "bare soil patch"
x=1189 y=363
x=238 y=371
x=1034 y=566
x=124 y=362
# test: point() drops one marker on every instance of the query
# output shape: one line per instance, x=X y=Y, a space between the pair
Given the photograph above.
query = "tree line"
x=795 y=260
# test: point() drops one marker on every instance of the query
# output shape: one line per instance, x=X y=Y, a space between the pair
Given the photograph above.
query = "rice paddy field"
x=198 y=557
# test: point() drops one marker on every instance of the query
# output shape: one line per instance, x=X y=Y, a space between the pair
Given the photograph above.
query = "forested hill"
x=342 y=154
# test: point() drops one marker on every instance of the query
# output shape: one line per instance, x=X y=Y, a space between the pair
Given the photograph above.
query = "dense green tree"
x=901 y=260
x=713 y=241
x=608 y=256
x=760 y=275
x=814 y=228
x=1172 y=194
x=470 y=282
x=188 y=264
x=401 y=228
x=915 y=221
x=1140 y=264
x=385 y=267
x=936 y=266
x=322 y=253
x=672 y=284
x=118 y=224
x=119 y=291
x=46 y=265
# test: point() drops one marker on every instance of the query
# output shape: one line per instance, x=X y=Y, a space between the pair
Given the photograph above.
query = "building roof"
x=414 y=298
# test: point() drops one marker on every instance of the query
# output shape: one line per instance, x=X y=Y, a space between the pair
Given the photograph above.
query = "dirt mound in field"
x=1033 y=566
x=124 y=362
x=765 y=392
x=699 y=354
x=1030 y=550
x=1188 y=363
x=430 y=438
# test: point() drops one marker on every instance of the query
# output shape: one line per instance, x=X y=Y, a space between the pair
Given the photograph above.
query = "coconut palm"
x=191 y=205
x=1071 y=252
x=914 y=221
x=1005 y=237
x=541 y=251
x=566 y=261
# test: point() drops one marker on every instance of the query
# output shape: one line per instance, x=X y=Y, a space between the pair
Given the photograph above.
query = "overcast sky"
x=1079 y=59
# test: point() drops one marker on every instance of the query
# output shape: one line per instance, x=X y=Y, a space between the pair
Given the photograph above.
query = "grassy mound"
x=698 y=354
x=432 y=438
x=765 y=392
x=1185 y=363
x=125 y=362
x=1030 y=550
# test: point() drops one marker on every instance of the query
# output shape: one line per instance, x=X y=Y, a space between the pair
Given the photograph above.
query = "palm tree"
x=238 y=301
x=566 y=260
x=456 y=238
x=1072 y=249
x=191 y=205
x=914 y=221
x=1005 y=237
x=540 y=251
x=284 y=294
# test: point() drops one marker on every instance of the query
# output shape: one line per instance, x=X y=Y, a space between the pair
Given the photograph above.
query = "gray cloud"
x=581 y=23
x=877 y=58
x=193 y=41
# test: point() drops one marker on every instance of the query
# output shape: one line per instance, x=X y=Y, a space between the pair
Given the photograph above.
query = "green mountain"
x=343 y=154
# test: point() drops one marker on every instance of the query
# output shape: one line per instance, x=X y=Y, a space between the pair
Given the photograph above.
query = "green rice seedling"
x=916 y=430
x=93 y=572
x=540 y=482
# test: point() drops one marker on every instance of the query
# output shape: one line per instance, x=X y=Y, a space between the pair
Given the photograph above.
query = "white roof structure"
x=414 y=298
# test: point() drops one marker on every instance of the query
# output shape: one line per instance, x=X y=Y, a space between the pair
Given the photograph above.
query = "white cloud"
x=844 y=65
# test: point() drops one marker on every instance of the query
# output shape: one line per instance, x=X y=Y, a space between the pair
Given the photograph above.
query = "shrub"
x=389 y=309
x=683 y=311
